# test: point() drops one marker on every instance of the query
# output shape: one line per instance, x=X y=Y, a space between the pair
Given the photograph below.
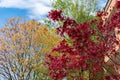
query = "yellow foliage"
x=26 y=43
x=14 y=69
x=24 y=62
x=47 y=39
x=1 y=39
x=3 y=47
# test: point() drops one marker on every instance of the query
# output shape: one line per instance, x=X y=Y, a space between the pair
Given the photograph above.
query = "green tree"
x=79 y=10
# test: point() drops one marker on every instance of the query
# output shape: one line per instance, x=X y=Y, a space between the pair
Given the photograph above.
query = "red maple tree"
x=85 y=48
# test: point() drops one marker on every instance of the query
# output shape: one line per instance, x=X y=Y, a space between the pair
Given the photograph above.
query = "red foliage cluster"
x=84 y=53
x=56 y=66
x=55 y=15
x=101 y=13
x=113 y=77
x=118 y=4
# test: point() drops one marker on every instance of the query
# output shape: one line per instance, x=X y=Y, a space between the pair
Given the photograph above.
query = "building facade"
x=110 y=8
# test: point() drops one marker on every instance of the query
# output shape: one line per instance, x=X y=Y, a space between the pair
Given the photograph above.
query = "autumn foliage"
x=30 y=50
x=23 y=45
x=84 y=48
x=118 y=4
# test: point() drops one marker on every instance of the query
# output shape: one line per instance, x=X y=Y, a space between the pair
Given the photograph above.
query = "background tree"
x=22 y=49
x=45 y=38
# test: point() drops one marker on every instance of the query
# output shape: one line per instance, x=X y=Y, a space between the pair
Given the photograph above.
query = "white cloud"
x=39 y=9
x=36 y=8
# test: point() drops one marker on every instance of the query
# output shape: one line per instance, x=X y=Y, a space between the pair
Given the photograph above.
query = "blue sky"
x=29 y=9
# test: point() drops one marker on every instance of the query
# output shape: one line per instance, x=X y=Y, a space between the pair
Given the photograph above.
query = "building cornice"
x=107 y=5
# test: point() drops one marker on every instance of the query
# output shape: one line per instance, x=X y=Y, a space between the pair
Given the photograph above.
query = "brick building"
x=110 y=8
